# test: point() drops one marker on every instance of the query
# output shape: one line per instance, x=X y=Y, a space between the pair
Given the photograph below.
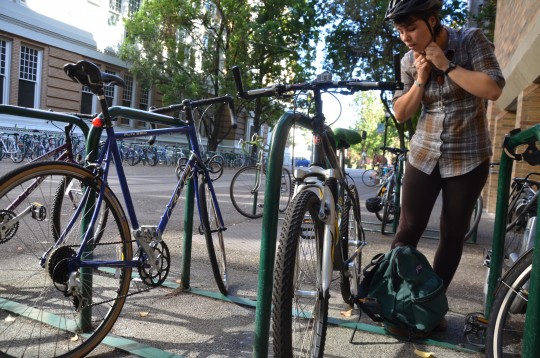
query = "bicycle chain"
x=119 y=297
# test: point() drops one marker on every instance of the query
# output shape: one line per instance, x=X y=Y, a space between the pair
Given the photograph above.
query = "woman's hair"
x=408 y=19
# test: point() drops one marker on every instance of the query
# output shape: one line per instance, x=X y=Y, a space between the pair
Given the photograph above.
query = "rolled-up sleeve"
x=481 y=52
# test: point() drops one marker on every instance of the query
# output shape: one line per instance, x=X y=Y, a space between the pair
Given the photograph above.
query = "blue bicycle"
x=61 y=294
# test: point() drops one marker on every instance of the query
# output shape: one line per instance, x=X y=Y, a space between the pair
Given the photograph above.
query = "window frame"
x=38 y=74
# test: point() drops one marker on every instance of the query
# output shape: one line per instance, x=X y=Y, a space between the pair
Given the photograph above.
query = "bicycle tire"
x=39 y=316
x=134 y=158
x=299 y=321
x=152 y=158
x=369 y=177
x=507 y=318
x=215 y=166
x=19 y=155
x=247 y=191
x=351 y=235
x=475 y=218
x=285 y=190
x=57 y=209
x=213 y=233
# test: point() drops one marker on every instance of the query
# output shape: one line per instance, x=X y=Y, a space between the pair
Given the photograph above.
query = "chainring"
x=7 y=231
x=150 y=276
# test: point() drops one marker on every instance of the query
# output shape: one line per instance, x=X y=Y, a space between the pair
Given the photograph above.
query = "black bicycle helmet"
x=403 y=7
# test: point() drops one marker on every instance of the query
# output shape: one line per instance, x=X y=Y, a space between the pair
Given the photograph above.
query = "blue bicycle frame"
x=111 y=151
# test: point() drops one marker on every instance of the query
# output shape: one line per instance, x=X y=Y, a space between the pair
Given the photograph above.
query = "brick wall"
x=517 y=23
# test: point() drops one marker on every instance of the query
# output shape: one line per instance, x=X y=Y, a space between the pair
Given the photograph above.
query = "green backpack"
x=401 y=289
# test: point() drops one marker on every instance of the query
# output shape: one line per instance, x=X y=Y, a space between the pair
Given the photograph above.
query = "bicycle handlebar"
x=352 y=85
x=187 y=103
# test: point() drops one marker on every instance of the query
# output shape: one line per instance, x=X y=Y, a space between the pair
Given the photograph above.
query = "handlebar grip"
x=238 y=81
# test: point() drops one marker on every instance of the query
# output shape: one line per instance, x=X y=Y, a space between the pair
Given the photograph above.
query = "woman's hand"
x=435 y=55
x=423 y=67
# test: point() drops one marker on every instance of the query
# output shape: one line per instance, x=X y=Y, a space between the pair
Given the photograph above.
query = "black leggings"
x=459 y=194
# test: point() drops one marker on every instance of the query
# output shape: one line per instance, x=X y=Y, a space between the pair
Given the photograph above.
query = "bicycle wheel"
x=370 y=177
x=285 y=190
x=73 y=195
x=351 y=242
x=388 y=208
x=134 y=158
x=475 y=218
x=300 y=314
x=19 y=154
x=507 y=318
x=47 y=306
x=215 y=166
x=213 y=233
x=247 y=191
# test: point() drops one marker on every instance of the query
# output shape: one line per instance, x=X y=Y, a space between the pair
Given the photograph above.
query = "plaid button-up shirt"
x=452 y=129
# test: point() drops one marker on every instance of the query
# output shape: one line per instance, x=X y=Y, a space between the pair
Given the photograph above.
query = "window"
x=87 y=101
x=110 y=91
x=127 y=98
x=29 y=77
x=133 y=6
x=115 y=5
x=144 y=99
x=5 y=55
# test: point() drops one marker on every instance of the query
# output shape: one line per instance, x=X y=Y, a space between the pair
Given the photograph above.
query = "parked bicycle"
x=376 y=176
x=62 y=296
x=12 y=147
x=521 y=226
x=247 y=185
x=308 y=251
x=511 y=315
x=386 y=204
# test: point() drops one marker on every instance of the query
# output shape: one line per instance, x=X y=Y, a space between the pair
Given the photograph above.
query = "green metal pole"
x=92 y=145
x=531 y=337
x=188 y=235
x=269 y=232
x=499 y=230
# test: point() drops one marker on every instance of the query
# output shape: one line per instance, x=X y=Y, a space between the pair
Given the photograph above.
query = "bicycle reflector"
x=97 y=122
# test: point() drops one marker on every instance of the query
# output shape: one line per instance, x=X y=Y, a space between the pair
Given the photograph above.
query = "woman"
x=449 y=74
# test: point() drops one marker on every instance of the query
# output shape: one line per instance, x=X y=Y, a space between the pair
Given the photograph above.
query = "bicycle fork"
x=328 y=215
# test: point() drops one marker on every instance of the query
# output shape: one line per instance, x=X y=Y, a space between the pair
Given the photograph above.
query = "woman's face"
x=415 y=35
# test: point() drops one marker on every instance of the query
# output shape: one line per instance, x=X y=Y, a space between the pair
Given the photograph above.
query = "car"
x=301 y=162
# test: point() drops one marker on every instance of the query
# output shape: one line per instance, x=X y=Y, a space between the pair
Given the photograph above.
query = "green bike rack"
x=269 y=231
x=531 y=338
x=45 y=115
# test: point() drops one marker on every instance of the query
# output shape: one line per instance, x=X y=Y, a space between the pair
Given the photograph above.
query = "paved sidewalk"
x=191 y=324
x=167 y=321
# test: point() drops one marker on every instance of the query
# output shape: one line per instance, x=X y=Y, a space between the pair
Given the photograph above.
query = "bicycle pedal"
x=38 y=212
x=138 y=284
x=475 y=328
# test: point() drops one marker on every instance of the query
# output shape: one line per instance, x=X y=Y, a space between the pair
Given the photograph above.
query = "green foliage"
x=371 y=115
x=186 y=48
x=360 y=43
x=485 y=19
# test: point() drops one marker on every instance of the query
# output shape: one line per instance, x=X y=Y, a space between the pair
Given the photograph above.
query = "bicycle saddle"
x=88 y=73
x=346 y=137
